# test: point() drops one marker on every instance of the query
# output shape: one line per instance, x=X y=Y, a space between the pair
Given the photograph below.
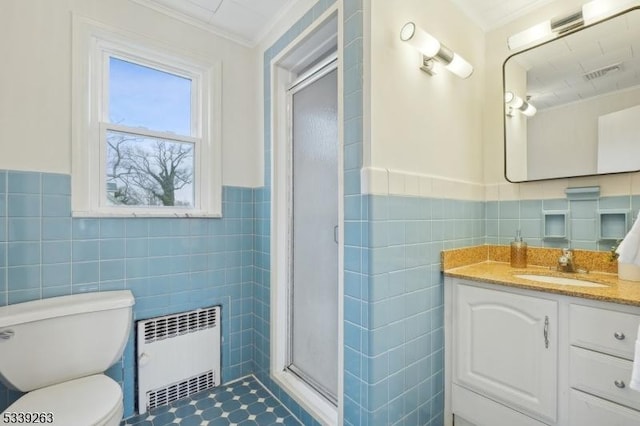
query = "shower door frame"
x=282 y=77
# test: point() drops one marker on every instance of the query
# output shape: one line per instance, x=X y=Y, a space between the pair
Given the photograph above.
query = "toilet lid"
x=81 y=402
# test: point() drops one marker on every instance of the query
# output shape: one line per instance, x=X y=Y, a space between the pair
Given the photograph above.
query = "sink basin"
x=559 y=280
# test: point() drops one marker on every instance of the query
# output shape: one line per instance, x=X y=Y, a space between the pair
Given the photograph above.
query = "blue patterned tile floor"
x=243 y=403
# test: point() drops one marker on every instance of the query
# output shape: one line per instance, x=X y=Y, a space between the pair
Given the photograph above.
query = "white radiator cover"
x=178 y=355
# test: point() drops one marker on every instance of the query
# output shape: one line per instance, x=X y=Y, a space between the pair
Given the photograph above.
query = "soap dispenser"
x=518 y=252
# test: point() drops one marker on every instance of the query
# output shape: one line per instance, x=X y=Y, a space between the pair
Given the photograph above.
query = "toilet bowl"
x=92 y=400
x=57 y=350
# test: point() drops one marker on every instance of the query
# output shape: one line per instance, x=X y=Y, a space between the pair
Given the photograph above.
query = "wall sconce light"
x=516 y=103
x=432 y=49
x=590 y=13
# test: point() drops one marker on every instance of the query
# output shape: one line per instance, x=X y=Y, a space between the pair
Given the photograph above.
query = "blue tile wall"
x=504 y=218
x=394 y=306
x=170 y=265
x=356 y=228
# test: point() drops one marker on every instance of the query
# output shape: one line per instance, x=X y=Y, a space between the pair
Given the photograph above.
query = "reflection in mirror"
x=585 y=87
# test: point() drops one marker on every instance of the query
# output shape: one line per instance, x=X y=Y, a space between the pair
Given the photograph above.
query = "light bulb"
x=508 y=97
x=424 y=42
x=599 y=9
x=530 y=35
x=528 y=109
x=516 y=102
x=460 y=67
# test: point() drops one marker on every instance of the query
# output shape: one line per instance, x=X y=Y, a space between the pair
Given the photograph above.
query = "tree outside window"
x=151 y=172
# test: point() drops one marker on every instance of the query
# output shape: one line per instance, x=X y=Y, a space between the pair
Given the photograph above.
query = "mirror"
x=585 y=87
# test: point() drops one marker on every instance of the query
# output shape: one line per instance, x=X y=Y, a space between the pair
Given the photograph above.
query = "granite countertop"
x=616 y=290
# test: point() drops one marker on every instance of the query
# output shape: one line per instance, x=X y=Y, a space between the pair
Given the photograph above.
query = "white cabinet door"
x=505 y=347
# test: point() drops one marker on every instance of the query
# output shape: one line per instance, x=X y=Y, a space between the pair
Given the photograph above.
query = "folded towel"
x=635 y=372
x=629 y=249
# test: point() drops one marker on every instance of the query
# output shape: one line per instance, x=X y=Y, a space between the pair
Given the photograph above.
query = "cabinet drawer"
x=587 y=410
x=598 y=374
x=482 y=411
x=605 y=331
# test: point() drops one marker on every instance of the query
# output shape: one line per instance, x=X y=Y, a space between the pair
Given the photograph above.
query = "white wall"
x=35 y=82
x=571 y=131
x=618 y=137
x=423 y=124
x=497 y=187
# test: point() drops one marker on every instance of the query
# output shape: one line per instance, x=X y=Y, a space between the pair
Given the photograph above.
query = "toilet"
x=57 y=350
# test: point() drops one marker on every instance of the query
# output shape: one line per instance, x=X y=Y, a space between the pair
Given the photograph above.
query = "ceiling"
x=244 y=21
x=247 y=21
x=490 y=14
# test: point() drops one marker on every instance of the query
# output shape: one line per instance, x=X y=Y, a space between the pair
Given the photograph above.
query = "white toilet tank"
x=50 y=341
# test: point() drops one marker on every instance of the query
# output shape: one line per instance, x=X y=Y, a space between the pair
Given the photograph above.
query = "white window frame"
x=93 y=45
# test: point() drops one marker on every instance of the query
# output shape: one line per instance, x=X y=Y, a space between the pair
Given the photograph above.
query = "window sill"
x=183 y=215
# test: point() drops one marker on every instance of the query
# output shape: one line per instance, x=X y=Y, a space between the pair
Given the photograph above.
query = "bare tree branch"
x=144 y=173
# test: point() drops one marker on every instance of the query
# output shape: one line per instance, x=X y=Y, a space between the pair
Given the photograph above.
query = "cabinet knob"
x=619 y=335
x=619 y=384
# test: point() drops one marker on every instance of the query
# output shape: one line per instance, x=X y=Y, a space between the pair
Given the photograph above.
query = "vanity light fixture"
x=590 y=13
x=431 y=49
x=516 y=103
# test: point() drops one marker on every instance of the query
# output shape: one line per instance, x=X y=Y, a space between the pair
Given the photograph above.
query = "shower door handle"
x=335 y=233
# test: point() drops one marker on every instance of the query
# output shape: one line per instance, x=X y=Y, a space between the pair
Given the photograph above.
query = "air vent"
x=601 y=72
x=175 y=325
x=182 y=389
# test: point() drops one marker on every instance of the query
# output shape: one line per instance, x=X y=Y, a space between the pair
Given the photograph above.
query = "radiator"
x=178 y=355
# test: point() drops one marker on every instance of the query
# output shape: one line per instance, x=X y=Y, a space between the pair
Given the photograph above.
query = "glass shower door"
x=313 y=284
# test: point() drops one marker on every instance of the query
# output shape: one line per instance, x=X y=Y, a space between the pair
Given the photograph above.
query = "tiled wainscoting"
x=393 y=287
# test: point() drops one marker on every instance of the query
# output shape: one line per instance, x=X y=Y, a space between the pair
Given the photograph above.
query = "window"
x=146 y=128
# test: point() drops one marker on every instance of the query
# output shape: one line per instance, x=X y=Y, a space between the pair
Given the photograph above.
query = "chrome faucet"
x=565 y=262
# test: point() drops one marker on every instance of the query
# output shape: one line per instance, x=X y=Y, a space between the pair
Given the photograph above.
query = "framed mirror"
x=572 y=104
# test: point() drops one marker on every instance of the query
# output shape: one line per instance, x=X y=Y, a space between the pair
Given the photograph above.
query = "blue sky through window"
x=140 y=96
x=146 y=171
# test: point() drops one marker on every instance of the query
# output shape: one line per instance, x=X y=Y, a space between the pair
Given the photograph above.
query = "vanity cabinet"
x=531 y=358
